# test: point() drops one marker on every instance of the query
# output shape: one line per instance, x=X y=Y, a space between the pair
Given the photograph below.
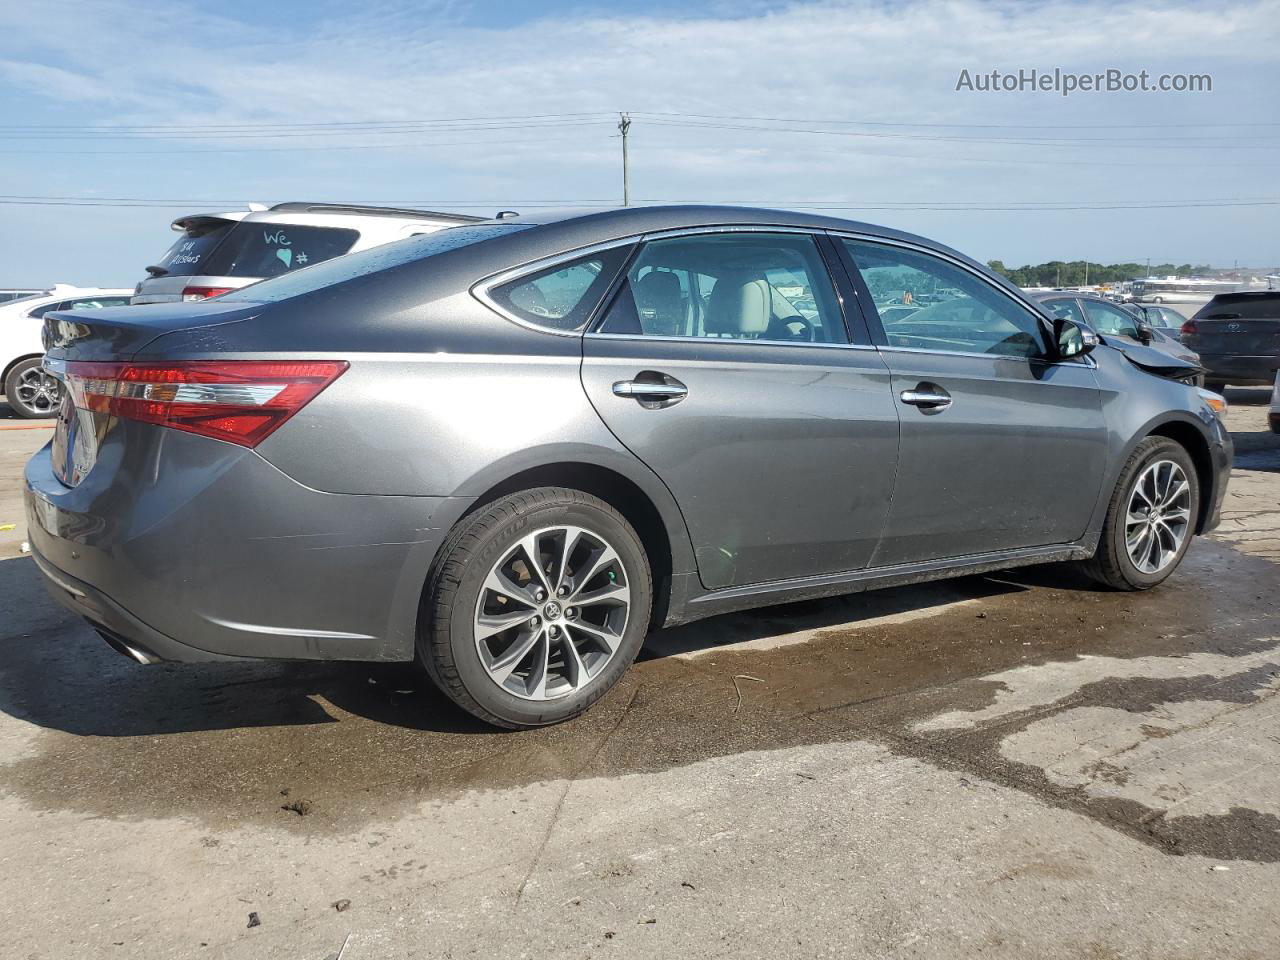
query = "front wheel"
x=32 y=393
x=1151 y=518
x=536 y=608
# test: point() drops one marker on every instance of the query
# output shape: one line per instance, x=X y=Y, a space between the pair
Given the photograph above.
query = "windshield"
x=369 y=261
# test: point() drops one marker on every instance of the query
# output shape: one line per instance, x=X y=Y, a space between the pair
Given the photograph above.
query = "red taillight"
x=204 y=293
x=240 y=401
x=1189 y=327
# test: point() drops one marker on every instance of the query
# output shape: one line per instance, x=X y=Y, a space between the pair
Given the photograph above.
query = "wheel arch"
x=4 y=375
x=1191 y=438
x=655 y=518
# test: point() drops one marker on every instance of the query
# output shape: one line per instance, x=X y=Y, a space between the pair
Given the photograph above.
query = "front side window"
x=561 y=297
x=1108 y=319
x=927 y=303
x=729 y=286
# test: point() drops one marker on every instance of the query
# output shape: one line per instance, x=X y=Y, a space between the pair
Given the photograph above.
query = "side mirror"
x=1146 y=333
x=1073 y=339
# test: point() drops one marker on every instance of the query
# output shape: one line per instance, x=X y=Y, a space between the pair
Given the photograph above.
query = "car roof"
x=1243 y=296
x=616 y=223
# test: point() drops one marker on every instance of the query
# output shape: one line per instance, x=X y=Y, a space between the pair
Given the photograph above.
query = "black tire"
x=446 y=630
x=20 y=407
x=1111 y=565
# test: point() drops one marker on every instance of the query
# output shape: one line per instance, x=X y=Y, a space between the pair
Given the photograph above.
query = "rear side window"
x=270 y=249
x=561 y=298
x=186 y=257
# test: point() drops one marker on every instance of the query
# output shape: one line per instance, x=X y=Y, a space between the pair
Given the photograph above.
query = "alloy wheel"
x=38 y=392
x=552 y=612
x=1158 y=516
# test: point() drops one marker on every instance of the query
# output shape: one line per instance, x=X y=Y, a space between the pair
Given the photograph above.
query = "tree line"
x=1061 y=273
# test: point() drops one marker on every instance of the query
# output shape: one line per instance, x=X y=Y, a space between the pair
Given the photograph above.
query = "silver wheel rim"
x=1158 y=517
x=552 y=613
x=37 y=392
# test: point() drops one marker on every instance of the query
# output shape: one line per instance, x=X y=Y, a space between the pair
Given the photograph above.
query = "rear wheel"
x=1151 y=518
x=538 y=605
x=32 y=394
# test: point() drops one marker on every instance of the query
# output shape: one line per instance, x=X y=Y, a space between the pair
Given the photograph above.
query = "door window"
x=927 y=303
x=1067 y=308
x=1108 y=319
x=772 y=287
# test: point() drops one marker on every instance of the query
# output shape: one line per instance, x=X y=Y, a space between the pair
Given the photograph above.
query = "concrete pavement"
x=1007 y=766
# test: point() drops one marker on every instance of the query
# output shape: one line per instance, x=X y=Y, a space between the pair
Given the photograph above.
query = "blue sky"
x=859 y=103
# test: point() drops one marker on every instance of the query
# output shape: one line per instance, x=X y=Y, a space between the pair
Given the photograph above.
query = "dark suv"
x=1238 y=337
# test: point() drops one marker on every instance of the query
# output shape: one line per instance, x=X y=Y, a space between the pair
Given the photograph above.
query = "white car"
x=28 y=390
x=219 y=252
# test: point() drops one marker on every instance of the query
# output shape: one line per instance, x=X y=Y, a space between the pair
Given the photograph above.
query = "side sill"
x=857 y=581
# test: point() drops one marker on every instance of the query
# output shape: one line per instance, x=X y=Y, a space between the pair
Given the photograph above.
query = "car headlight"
x=1216 y=401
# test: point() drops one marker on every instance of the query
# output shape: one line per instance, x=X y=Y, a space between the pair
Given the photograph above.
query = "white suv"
x=28 y=390
x=220 y=252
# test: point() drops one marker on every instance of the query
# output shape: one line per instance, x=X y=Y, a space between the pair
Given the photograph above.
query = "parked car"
x=1238 y=338
x=219 y=252
x=510 y=448
x=1112 y=320
x=9 y=294
x=29 y=391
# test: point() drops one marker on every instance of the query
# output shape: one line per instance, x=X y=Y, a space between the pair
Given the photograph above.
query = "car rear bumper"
x=205 y=551
x=1240 y=369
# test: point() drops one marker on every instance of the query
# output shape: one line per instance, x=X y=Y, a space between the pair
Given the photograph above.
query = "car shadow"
x=56 y=673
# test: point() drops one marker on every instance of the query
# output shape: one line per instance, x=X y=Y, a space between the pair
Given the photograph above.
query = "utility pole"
x=1086 y=273
x=624 y=125
x=1148 y=266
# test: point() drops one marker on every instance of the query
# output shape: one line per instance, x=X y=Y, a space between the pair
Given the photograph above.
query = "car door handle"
x=668 y=390
x=928 y=396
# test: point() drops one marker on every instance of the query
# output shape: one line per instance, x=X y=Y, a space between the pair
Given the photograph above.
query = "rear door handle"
x=668 y=390
x=927 y=396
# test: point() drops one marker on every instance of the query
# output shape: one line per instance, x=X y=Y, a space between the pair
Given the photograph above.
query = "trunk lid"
x=111 y=333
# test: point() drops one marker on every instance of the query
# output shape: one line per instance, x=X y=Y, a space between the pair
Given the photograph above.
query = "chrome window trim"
x=643 y=338
x=482 y=289
x=1087 y=360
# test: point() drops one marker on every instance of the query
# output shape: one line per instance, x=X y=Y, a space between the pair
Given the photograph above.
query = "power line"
x=1123 y=142
x=966 y=126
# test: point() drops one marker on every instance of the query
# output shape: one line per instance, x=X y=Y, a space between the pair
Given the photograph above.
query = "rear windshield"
x=370 y=261
x=186 y=257
x=271 y=249
x=1265 y=306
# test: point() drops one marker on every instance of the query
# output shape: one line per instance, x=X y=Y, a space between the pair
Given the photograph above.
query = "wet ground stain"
x=240 y=744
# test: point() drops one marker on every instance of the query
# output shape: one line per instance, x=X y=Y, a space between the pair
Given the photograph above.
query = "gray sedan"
x=510 y=449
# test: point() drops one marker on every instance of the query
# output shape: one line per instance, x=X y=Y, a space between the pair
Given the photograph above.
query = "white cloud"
x=124 y=62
